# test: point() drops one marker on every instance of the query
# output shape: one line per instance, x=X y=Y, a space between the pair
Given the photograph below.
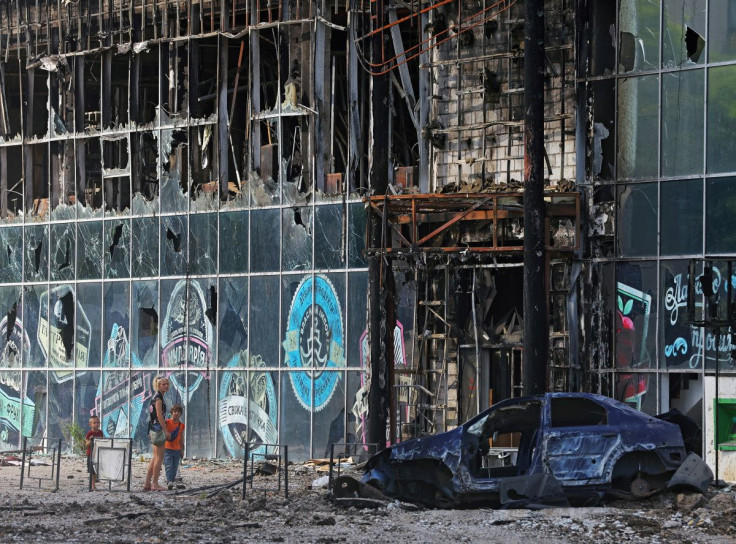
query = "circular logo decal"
x=314 y=342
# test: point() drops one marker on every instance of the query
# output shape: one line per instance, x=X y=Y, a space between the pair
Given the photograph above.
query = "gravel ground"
x=72 y=514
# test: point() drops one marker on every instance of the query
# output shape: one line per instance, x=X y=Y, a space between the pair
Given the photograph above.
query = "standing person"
x=94 y=432
x=157 y=422
x=173 y=449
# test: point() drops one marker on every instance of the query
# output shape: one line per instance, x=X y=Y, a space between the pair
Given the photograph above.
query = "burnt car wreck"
x=559 y=448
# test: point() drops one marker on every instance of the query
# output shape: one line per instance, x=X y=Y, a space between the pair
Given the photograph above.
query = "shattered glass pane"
x=233 y=320
x=173 y=152
x=89 y=302
x=233 y=242
x=297 y=236
x=638 y=35
x=116 y=326
x=34 y=297
x=62 y=251
x=174 y=245
x=265 y=246
x=145 y=246
x=683 y=41
x=117 y=249
x=329 y=249
x=681 y=205
x=682 y=122
x=11 y=255
x=356 y=235
x=637 y=208
x=145 y=324
x=721 y=26
x=203 y=243
x=721 y=144
x=638 y=127
x=720 y=216
x=60 y=402
x=36 y=253
x=89 y=252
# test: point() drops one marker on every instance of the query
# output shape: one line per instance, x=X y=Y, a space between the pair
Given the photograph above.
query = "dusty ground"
x=73 y=514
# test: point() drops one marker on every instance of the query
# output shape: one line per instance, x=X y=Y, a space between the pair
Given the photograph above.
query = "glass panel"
x=264 y=320
x=637 y=220
x=18 y=411
x=677 y=335
x=356 y=322
x=37 y=395
x=61 y=403
x=234 y=243
x=199 y=415
x=297 y=235
x=721 y=146
x=356 y=235
x=117 y=249
x=174 y=245
x=357 y=405
x=34 y=297
x=636 y=315
x=638 y=390
x=328 y=240
x=89 y=304
x=682 y=122
x=721 y=30
x=638 y=127
x=11 y=255
x=638 y=35
x=329 y=422
x=720 y=216
x=684 y=33
x=233 y=320
x=116 y=324
x=682 y=217
x=36 y=252
x=265 y=242
x=144 y=328
x=89 y=250
x=62 y=251
x=113 y=402
x=85 y=397
x=203 y=243
x=174 y=168
x=145 y=246
x=295 y=428
x=141 y=392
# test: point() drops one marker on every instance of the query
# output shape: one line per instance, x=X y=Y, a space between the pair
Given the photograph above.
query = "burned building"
x=266 y=200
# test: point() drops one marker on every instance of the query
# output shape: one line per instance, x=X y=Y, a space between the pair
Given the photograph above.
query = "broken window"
x=203 y=243
x=89 y=303
x=34 y=298
x=233 y=321
x=329 y=250
x=145 y=232
x=298 y=229
x=356 y=235
x=234 y=242
x=144 y=171
x=574 y=412
x=637 y=209
x=721 y=30
x=174 y=256
x=36 y=253
x=638 y=127
x=265 y=238
x=683 y=94
x=681 y=228
x=62 y=251
x=720 y=143
x=116 y=249
x=145 y=324
x=11 y=255
x=602 y=17
x=638 y=22
x=720 y=215
x=683 y=28
x=89 y=252
x=355 y=321
x=11 y=183
x=174 y=154
x=116 y=326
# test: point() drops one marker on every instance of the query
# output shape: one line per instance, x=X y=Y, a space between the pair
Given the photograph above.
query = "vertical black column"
x=378 y=298
x=536 y=331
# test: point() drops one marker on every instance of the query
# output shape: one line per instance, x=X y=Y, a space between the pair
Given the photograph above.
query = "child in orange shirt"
x=173 y=451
